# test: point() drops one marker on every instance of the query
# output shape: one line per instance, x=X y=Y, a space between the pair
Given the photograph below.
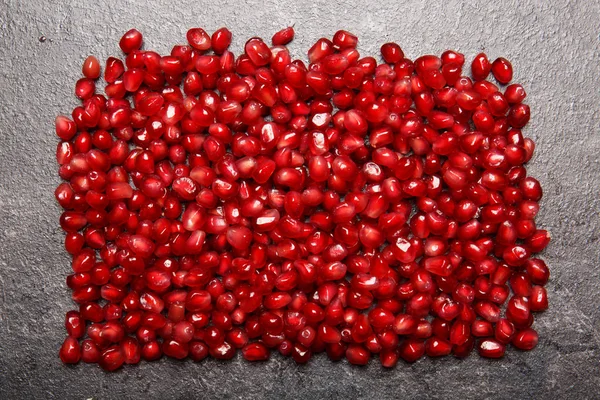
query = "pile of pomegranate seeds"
x=216 y=203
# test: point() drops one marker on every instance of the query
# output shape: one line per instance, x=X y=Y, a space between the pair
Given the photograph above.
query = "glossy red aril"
x=391 y=53
x=255 y=352
x=491 y=348
x=283 y=37
x=502 y=70
x=112 y=358
x=70 y=352
x=481 y=67
x=216 y=203
x=526 y=339
x=131 y=40
x=91 y=68
x=200 y=40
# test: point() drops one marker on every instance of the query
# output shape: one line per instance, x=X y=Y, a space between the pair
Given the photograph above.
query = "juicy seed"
x=283 y=37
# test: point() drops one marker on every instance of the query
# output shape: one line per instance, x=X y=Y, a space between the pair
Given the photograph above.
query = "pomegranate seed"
x=255 y=352
x=411 y=350
x=199 y=39
x=269 y=205
x=322 y=48
x=151 y=351
x=391 y=53
x=481 y=67
x=526 y=339
x=65 y=128
x=131 y=351
x=112 y=358
x=258 y=51
x=70 y=352
x=91 y=68
x=515 y=94
x=220 y=40
x=491 y=348
x=198 y=351
x=74 y=324
x=357 y=355
x=502 y=70
x=389 y=358
x=437 y=347
x=283 y=37
x=131 y=40
x=538 y=299
x=89 y=351
x=505 y=331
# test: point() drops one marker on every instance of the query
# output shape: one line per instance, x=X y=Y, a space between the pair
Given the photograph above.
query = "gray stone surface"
x=556 y=54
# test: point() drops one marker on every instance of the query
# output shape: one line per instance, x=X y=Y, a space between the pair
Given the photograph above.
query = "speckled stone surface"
x=555 y=51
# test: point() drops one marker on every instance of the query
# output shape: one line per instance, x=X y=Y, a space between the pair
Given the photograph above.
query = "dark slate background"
x=555 y=52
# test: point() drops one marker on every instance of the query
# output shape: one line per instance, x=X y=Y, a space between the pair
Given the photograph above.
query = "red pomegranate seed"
x=490 y=348
x=505 y=331
x=526 y=339
x=131 y=40
x=537 y=270
x=220 y=40
x=344 y=40
x=502 y=70
x=481 y=67
x=283 y=37
x=65 y=128
x=437 y=347
x=89 y=352
x=74 y=324
x=91 y=68
x=357 y=354
x=538 y=299
x=131 y=351
x=268 y=205
x=258 y=51
x=70 y=352
x=391 y=53
x=255 y=352
x=481 y=328
x=322 y=48
x=411 y=350
x=200 y=40
x=515 y=94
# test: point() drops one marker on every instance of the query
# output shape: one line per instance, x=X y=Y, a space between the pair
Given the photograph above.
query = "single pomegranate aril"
x=200 y=40
x=65 y=128
x=436 y=347
x=91 y=68
x=255 y=352
x=131 y=40
x=538 y=299
x=526 y=339
x=112 y=358
x=481 y=67
x=411 y=350
x=502 y=70
x=515 y=94
x=391 y=53
x=357 y=355
x=283 y=37
x=74 y=324
x=89 y=351
x=258 y=51
x=321 y=49
x=70 y=352
x=490 y=348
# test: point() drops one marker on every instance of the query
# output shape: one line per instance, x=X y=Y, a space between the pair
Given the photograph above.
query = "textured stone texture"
x=556 y=54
